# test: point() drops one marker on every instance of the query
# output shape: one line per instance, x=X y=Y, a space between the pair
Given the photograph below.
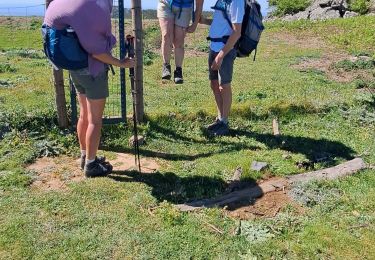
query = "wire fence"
x=20 y=26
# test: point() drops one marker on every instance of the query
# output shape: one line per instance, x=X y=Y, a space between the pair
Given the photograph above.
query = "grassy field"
x=111 y=218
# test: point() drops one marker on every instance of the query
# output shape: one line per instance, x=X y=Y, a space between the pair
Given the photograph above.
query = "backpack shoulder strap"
x=222 y=5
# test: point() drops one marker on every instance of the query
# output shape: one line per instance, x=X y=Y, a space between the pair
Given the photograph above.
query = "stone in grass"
x=287 y=156
x=259 y=166
x=141 y=140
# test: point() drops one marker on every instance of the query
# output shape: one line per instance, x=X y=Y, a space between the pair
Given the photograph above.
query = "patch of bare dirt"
x=267 y=206
x=325 y=64
x=331 y=56
x=303 y=40
x=125 y=162
x=54 y=174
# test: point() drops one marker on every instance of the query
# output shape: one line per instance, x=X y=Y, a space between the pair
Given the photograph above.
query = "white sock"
x=89 y=161
x=224 y=120
x=83 y=153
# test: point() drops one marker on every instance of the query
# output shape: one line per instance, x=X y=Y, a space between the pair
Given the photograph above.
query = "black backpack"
x=252 y=27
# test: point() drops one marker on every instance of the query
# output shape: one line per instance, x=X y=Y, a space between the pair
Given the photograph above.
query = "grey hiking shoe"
x=178 y=78
x=166 y=72
x=221 y=130
x=101 y=159
x=96 y=169
x=214 y=125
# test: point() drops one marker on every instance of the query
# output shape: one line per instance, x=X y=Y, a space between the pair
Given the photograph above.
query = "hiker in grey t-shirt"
x=222 y=56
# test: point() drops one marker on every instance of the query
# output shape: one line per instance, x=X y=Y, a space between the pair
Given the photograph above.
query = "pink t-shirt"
x=91 y=20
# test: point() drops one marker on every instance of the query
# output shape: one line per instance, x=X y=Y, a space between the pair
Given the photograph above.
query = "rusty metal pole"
x=136 y=8
x=58 y=82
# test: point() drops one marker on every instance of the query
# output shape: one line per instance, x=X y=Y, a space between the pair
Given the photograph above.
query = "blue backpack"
x=183 y=4
x=252 y=27
x=63 y=49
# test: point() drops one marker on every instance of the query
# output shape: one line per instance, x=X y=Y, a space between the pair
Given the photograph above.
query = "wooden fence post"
x=58 y=82
x=136 y=8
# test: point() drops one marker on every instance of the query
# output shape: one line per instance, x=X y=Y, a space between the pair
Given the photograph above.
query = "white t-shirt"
x=220 y=26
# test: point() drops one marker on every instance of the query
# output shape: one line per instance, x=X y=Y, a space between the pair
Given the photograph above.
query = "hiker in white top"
x=225 y=30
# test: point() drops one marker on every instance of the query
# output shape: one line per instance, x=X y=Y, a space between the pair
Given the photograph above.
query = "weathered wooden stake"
x=136 y=8
x=58 y=82
x=275 y=127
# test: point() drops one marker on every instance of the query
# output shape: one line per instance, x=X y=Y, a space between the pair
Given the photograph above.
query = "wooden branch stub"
x=275 y=127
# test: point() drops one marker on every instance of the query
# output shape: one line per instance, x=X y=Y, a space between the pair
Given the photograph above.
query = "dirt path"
x=54 y=174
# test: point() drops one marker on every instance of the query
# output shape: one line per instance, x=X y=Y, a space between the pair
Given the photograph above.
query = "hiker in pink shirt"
x=91 y=21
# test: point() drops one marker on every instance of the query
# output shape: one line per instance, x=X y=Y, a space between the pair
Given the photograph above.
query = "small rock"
x=324 y=3
x=372 y=6
x=356 y=213
x=287 y=156
x=324 y=13
x=141 y=140
x=172 y=114
x=306 y=164
x=349 y=14
x=259 y=166
x=364 y=58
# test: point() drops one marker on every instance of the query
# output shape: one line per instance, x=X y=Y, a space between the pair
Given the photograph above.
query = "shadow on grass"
x=175 y=189
x=313 y=149
x=177 y=129
x=281 y=110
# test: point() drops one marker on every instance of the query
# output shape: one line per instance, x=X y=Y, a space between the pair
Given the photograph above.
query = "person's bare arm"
x=234 y=37
x=204 y=20
x=109 y=59
x=198 y=13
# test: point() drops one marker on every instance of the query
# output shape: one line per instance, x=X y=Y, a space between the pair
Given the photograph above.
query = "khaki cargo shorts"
x=92 y=87
x=181 y=16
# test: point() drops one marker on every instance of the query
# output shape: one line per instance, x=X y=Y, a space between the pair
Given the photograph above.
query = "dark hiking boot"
x=214 y=125
x=96 y=169
x=178 y=78
x=221 y=130
x=101 y=159
x=166 y=72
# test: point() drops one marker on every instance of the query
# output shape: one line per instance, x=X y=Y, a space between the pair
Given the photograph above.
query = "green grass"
x=284 y=7
x=356 y=35
x=110 y=218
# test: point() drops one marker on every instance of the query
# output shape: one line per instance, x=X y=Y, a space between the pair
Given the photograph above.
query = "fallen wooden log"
x=249 y=194
x=339 y=171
